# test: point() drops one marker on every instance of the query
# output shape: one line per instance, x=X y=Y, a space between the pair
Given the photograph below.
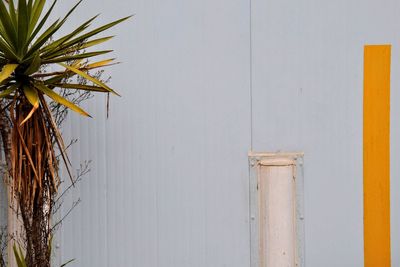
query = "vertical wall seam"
x=251 y=121
x=251 y=73
x=106 y=222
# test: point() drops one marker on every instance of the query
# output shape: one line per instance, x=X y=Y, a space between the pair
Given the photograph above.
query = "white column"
x=277 y=213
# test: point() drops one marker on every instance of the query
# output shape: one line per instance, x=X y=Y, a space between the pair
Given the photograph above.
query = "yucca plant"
x=28 y=46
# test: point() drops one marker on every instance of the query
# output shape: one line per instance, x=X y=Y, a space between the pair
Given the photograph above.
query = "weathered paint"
x=278 y=214
x=377 y=155
x=276 y=210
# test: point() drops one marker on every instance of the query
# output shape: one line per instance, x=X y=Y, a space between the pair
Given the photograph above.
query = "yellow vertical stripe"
x=377 y=155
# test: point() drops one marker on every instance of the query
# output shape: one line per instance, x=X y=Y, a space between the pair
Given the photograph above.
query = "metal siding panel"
x=307 y=96
x=307 y=89
x=172 y=157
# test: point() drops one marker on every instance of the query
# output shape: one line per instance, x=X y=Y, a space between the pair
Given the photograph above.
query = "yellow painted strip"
x=377 y=155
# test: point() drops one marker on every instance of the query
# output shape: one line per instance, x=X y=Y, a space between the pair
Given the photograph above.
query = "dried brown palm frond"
x=25 y=50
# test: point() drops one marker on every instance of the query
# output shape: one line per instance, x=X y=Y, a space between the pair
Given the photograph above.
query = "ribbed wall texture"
x=169 y=177
x=202 y=83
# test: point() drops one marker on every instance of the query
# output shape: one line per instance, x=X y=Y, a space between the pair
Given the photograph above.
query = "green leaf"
x=81 y=87
x=96 y=42
x=42 y=22
x=56 y=97
x=23 y=25
x=55 y=46
x=72 y=49
x=7 y=50
x=50 y=31
x=102 y=63
x=9 y=29
x=94 y=32
x=34 y=66
x=30 y=4
x=32 y=96
x=36 y=12
x=19 y=257
x=57 y=79
x=13 y=16
x=88 y=77
x=7 y=71
x=8 y=91
x=43 y=38
x=75 y=57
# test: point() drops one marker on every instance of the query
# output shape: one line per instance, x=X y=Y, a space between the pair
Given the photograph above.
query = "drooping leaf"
x=56 y=97
x=100 y=63
x=19 y=257
x=22 y=257
x=8 y=91
x=88 y=77
x=32 y=95
x=7 y=71
x=33 y=98
x=58 y=138
x=81 y=87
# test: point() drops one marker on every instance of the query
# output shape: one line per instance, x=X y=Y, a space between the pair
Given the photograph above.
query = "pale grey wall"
x=169 y=179
x=307 y=95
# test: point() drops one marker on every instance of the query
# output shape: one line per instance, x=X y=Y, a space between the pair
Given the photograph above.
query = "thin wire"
x=251 y=74
x=251 y=126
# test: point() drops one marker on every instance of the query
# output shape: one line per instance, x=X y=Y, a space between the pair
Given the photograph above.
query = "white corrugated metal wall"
x=169 y=182
x=204 y=82
x=169 y=179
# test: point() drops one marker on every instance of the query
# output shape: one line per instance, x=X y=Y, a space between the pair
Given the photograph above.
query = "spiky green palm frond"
x=28 y=44
x=25 y=48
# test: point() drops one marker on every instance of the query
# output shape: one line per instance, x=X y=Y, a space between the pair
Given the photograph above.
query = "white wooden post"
x=8 y=214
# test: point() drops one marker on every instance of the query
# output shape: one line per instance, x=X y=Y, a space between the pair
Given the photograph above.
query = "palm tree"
x=29 y=131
